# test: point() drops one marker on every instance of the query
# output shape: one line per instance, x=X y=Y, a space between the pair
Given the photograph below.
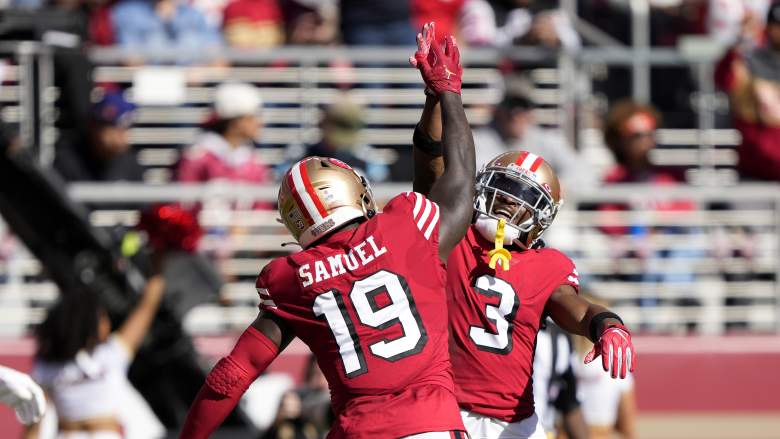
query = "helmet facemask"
x=515 y=197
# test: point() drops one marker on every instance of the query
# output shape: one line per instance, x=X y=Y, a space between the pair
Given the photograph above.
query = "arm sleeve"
x=227 y=382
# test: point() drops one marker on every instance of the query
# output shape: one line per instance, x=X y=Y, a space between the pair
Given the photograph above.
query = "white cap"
x=236 y=99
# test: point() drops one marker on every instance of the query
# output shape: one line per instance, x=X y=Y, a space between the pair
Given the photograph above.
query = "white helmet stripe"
x=529 y=160
x=300 y=188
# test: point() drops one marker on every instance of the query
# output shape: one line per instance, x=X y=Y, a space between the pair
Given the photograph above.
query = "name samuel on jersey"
x=338 y=264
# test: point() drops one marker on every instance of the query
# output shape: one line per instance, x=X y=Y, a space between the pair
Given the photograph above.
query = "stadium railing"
x=298 y=81
x=709 y=268
x=686 y=288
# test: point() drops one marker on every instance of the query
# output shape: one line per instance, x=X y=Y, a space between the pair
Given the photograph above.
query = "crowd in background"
x=748 y=74
x=96 y=120
x=97 y=146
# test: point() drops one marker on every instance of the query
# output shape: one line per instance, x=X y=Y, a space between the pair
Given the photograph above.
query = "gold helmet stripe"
x=304 y=193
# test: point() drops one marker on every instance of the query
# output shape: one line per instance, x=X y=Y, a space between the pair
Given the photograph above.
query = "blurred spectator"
x=342 y=127
x=518 y=22
x=253 y=24
x=445 y=13
x=311 y=21
x=95 y=15
x=315 y=397
x=513 y=128
x=163 y=25
x=609 y=404
x=213 y=10
x=752 y=79
x=101 y=151
x=737 y=21
x=226 y=150
x=377 y=23
x=83 y=365
x=629 y=132
x=289 y=423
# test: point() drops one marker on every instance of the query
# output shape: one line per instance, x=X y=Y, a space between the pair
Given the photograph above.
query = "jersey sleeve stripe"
x=433 y=222
x=417 y=204
x=425 y=214
x=268 y=302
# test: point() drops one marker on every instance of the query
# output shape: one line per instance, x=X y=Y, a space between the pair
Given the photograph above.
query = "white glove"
x=22 y=394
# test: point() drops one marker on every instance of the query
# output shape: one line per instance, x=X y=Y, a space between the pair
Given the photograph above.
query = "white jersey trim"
x=265 y=298
x=425 y=214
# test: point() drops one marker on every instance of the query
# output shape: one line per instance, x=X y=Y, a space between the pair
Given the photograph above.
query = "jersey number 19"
x=363 y=296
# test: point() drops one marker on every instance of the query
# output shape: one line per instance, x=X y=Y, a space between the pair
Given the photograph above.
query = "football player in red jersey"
x=366 y=292
x=499 y=296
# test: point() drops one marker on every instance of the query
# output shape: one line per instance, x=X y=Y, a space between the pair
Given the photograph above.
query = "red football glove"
x=441 y=70
x=616 y=350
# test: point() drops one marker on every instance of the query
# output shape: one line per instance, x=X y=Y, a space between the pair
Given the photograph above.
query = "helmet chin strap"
x=488 y=227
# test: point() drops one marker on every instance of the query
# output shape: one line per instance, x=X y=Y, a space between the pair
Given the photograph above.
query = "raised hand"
x=616 y=351
x=440 y=69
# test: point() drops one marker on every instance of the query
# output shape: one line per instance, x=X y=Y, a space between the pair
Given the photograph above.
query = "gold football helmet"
x=319 y=195
x=521 y=188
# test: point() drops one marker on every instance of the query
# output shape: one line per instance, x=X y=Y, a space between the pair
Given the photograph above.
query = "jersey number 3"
x=503 y=315
x=401 y=310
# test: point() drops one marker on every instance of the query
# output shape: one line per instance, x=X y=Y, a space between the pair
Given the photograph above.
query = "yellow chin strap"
x=500 y=254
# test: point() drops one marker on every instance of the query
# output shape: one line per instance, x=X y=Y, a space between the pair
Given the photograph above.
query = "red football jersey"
x=494 y=318
x=370 y=303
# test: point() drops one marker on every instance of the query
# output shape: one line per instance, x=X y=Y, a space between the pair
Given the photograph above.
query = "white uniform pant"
x=483 y=427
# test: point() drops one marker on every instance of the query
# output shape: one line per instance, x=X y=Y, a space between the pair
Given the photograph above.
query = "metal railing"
x=709 y=267
x=298 y=81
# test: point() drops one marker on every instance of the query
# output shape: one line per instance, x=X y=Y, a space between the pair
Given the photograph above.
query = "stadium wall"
x=733 y=374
